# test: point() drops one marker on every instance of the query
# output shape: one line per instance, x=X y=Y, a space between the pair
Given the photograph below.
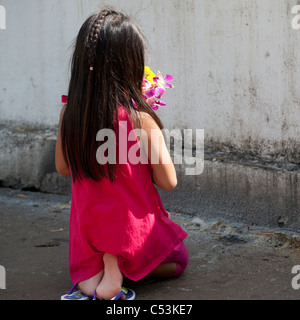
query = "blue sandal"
x=129 y=295
x=76 y=294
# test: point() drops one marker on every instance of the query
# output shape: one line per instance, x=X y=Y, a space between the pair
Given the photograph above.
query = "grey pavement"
x=228 y=261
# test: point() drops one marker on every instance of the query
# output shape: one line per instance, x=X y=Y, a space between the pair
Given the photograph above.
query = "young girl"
x=118 y=225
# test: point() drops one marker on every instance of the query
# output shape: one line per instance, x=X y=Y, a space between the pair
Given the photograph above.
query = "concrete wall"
x=236 y=68
x=236 y=65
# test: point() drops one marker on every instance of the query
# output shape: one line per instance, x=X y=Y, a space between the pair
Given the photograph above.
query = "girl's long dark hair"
x=107 y=71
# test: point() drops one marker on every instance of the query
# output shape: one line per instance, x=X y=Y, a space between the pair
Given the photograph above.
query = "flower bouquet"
x=153 y=88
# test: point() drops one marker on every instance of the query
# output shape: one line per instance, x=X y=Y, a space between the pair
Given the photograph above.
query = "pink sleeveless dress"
x=125 y=218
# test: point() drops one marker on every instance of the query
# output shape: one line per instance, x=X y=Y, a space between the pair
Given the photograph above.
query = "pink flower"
x=154 y=90
x=163 y=82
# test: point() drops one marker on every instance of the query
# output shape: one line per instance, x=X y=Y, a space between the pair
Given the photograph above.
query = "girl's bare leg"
x=164 y=270
x=111 y=283
x=89 y=286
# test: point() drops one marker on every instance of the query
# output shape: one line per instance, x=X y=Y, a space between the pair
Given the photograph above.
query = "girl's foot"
x=111 y=283
x=89 y=286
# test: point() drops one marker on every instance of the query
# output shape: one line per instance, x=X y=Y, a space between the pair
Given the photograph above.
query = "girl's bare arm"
x=164 y=173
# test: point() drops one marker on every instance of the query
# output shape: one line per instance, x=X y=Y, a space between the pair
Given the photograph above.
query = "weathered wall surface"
x=236 y=66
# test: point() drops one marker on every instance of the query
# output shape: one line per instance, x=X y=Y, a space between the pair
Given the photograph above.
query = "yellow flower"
x=150 y=75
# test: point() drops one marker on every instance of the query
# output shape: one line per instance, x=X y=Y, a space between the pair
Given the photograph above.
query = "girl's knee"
x=179 y=270
x=182 y=260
